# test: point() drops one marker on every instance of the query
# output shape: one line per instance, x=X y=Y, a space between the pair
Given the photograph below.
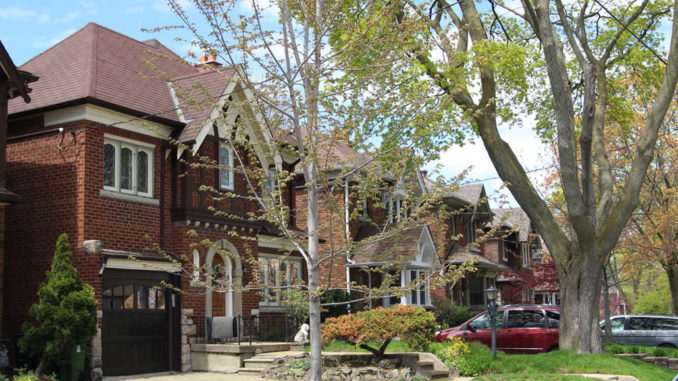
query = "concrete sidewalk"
x=204 y=376
x=194 y=376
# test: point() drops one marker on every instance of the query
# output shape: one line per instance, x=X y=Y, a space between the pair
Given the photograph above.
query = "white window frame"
x=228 y=167
x=271 y=179
x=427 y=287
x=396 y=209
x=471 y=235
x=526 y=254
x=273 y=299
x=135 y=147
x=504 y=252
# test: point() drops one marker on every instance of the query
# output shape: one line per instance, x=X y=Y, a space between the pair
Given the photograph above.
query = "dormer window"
x=226 y=166
x=471 y=227
x=397 y=209
x=128 y=167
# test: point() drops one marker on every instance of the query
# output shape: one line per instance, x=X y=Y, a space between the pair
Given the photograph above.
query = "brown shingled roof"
x=470 y=193
x=100 y=64
x=400 y=247
x=515 y=218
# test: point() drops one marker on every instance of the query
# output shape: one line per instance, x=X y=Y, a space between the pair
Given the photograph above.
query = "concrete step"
x=250 y=371
x=436 y=374
x=259 y=363
x=425 y=364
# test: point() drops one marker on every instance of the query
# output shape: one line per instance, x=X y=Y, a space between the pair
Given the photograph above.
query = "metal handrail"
x=252 y=328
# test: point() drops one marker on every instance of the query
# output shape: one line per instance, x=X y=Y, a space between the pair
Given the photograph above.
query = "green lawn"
x=568 y=362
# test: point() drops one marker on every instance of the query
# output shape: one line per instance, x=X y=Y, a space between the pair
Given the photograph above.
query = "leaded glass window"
x=142 y=172
x=128 y=167
x=109 y=165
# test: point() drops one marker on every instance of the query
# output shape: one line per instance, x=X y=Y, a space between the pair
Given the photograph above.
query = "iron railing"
x=248 y=329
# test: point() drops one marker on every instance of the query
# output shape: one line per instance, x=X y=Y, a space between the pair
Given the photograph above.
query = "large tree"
x=559 y=60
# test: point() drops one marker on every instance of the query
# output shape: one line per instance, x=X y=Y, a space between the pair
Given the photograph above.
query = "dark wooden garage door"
x=137 y=322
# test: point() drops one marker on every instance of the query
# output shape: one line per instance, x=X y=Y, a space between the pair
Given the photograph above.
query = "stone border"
x=665 y=362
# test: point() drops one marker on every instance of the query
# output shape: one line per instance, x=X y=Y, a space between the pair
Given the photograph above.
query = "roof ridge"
x=94 y=61
x=198 y=73
x=57 y=44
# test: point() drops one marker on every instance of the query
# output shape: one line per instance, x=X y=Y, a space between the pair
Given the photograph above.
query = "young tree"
x=285 y=45
x=563 y=62
x=65 y=312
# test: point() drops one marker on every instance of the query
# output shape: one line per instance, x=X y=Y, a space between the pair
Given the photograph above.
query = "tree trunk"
x=313 y=267
x=40 y=369
x=606 y=301
x=672 y=272
x=580 y=285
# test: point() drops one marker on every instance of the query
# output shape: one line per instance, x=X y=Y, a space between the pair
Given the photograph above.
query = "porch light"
x=491 y=294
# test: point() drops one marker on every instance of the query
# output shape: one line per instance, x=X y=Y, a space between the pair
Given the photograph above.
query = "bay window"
x=128 y=167
x=276 y=273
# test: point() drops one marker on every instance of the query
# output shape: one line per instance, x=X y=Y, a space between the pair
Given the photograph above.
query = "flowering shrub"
x=455 y=350
x=469 y=359
x=413 y=325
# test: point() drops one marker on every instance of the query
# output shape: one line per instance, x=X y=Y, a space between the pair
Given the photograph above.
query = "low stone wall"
x=351 y=366
x=666 y=362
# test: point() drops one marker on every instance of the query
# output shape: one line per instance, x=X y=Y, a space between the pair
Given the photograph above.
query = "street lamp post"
x=491 y=294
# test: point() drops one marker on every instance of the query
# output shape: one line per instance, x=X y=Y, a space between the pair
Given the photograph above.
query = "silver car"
x=652 y=330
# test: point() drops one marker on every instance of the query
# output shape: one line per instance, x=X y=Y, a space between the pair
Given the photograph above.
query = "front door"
x=136 y=327
x=218 y=296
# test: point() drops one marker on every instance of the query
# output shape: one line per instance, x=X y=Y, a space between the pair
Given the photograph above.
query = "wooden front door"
x=218 y=298
x=137 y=322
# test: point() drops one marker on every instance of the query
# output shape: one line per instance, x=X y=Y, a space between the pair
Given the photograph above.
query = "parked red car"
x=525 y=328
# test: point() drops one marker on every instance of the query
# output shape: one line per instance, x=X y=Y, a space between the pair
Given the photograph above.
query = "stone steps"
x=256 y=364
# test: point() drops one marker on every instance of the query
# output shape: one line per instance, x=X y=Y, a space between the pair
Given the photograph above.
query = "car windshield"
x=483 y=321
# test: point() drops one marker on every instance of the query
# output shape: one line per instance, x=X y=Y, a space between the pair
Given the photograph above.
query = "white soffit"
x=138 y=264
x=106 y=116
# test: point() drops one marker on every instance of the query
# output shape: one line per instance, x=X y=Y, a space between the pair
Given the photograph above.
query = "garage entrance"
x=140 y=324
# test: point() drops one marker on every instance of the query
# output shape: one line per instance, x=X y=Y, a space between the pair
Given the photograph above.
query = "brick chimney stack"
x=208 y=62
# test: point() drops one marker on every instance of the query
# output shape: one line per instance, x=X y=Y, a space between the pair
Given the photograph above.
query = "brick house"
x=90 y=157
x=460 y=240
x=518 y=245
x=13 y=83
x=406 y=256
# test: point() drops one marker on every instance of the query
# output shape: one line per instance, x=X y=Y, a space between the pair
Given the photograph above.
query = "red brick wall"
x=2 y=264
x=61 y=194
x=50 y=182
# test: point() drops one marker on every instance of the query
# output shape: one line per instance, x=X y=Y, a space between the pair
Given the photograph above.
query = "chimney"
x=208 y=62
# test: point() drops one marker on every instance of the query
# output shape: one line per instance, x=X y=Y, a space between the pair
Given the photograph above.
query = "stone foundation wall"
x=188 y=332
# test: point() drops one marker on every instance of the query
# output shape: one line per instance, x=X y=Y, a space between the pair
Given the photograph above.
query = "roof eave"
x=99 y=102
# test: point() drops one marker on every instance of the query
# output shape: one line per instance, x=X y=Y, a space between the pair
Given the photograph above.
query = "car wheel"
x=553 y=348
x=666 y=345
